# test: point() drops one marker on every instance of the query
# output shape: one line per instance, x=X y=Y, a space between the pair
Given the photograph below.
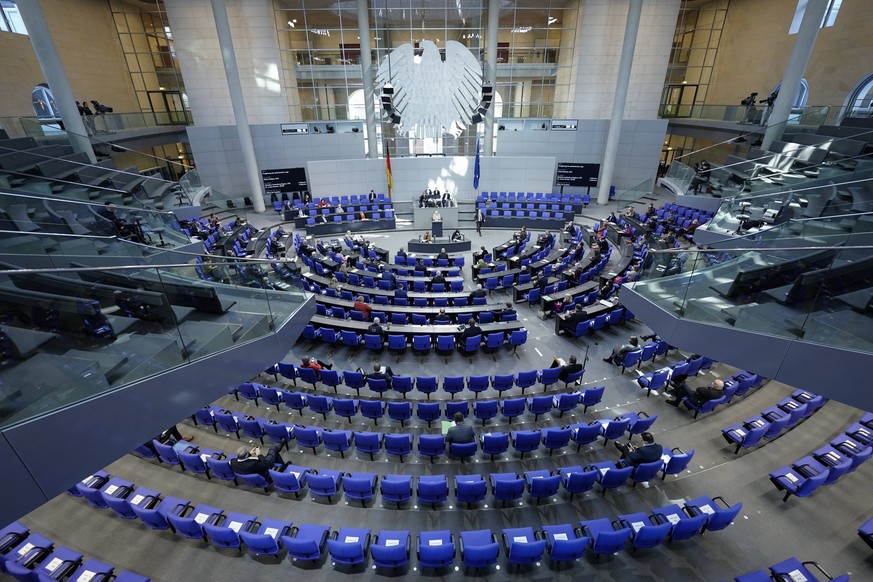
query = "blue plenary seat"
x=390 y=549
x=325 y=483
x=575 y=479
x=470 y=489
x=794 y=569
x=265 y=537
x=684 y=526
x=605 y=536
x=479 y=548
x=360 y=486
x=719 y=512
x=224 y=533
x=506 y=487
x=306 y=542
x=349 y=546
x=564 y=542
x=292 y=479
x=523 y=545
x=647 y=532
x=396 y=488
x=436 y=549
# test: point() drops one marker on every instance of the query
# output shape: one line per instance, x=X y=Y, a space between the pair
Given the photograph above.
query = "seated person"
x=379 y=372
x=460 y=433
x=505 y=313
x=442 y=318
x=250 y=460
x=171 y=436
x=619 y=352
x=376 y=329
x=698 y=397
x=400 y=292
x=478 y=266
x=570 y=320
x=612 y=218
x=362 y=216
x=567 y=368
x=443 y=254
x=457 y=236
x=563 y=305
x=471 y=330
x=545 y=239
x=476 y=293
x=401 y=252
x=426 y=237
x=315 y=364
x=480 y=254
x=542 y=282
x=361 y=306
x=387 y=275
x=649 y=452
x=650 y=211
x=437 y=279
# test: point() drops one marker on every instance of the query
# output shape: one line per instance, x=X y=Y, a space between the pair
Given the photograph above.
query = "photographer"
x=751 y=110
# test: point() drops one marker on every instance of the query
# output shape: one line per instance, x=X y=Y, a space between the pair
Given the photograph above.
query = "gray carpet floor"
x=821 y=528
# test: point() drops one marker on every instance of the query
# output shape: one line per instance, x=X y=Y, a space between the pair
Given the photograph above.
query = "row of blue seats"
x=534 y=196
x=737 y=385
x=349 y=217
x=431 y=489
x=400 y=317
x=534 y=205
x=773 y=420
x=790 y=570
x=866 y=532
x=434 y=549
x=425 y=384
x=402 y=409
x=490 y=214
x=351 y=208
x=29 y=555
x=401 y=444
x=827 y=464
x=689 y=367
x=421 y=344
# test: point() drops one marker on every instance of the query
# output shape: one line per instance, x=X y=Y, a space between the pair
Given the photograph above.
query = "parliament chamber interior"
x=559 y=289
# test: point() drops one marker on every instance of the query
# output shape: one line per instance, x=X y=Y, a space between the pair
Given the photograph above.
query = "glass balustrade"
x=801 y=280
x=70 y=334
x=24 y=215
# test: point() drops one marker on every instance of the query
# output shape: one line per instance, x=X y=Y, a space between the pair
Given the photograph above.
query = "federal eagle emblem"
x=433 y=97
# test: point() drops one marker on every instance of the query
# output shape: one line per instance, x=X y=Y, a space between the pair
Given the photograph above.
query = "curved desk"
x=416 y=246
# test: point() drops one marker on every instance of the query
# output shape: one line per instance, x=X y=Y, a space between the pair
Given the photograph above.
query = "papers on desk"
x=707 y=509
x=797 y=576
x=86 y=479
x=606 y=303
x=295 y=473
x=435 y=542
x=740 y=432
x=560 y=536
x=53 y=565
x=446 y=425
x=351 y=539
x=271 y=531
x=637 y=525
x=520 y=539
x=111 y=489
x=137 y=499
x=665 y=458
x=86 y=576
x=791 y=477
x=235 y=525
x=391 y=543
x=24 y=549
x=204 y=456
x=673 y=518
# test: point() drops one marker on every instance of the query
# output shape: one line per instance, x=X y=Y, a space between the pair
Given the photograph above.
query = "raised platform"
x=423 y=217
x=416 y=246
x=356 y=226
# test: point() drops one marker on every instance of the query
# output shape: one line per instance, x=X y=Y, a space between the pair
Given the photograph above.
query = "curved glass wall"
x=801 y=280
x=69 y=333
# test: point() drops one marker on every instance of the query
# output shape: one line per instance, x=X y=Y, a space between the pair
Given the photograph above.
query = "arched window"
x=43 y=102
x=860 y=101
x=802 y=94
x=356 y=105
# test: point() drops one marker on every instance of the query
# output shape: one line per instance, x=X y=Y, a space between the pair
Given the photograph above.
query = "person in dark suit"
x=442 y=318
x=542 y=282
x=700 y=396
x=376 y=329
x=649 y=452
x=379 y=372
x=401 y=252
x=250 y=460
x=619 y=352
x=477 y=292
x=400 y=292
x=371 y=196
x=503 y=314
x=570 y=319
x=571 y=366
x=437 y=279
x=443 y=254
x=471 y=330
x=460 y=433
x=387 y=275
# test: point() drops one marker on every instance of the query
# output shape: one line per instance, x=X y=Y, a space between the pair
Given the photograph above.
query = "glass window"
x=830 y=15
x=10 y=18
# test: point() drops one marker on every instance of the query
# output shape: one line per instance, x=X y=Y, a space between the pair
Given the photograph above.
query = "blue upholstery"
x=479 y=549
x=398 y=444
x=432 y=489
x=506 y=487
x=390 y=549
x=604 y=537
x=564 y=543
x=396 y=488
x=306 y=542
x=436 y=549
x=577 y=480
x=495 y=444
x=522 y=545
x=470 y=489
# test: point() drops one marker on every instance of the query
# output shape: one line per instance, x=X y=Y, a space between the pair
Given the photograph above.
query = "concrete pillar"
x=234 y=87
x=800 y=53
x=53 y=71
x=491 y=70
x=610 y=151
x=367 y=76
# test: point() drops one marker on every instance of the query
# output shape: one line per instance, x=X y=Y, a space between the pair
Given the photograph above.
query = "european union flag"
x=476 y=168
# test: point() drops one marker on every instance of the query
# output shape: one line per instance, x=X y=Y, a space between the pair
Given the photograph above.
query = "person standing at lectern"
x=437 y=217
